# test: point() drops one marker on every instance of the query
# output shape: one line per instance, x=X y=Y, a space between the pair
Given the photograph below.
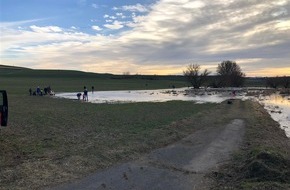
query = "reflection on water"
x=279 y=108
x=277 y=105
x=149 y=96
x=277 y=99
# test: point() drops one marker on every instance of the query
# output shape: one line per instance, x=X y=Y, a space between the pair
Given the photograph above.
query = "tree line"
x=229 y=74
x=275 y=82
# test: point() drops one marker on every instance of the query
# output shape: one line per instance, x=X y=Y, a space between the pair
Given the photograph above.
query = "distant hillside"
x=21 y=72
x=7 y=70
x=11 y=67
x=16 y=80
x=11 y=71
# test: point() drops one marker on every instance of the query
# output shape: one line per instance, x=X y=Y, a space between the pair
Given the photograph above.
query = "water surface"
x=278 y=107
x=149 y=96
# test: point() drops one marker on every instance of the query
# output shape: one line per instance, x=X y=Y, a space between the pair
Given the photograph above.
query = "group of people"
x=48 y=91
x=85 y=94
x=40 y=92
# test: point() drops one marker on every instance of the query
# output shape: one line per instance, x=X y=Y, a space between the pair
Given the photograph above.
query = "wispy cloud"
x=133 y=8
x=45 y=29
x=19 y=23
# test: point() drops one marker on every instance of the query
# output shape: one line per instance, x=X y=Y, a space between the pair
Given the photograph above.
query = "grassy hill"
x=10 y=70
x=18 y=80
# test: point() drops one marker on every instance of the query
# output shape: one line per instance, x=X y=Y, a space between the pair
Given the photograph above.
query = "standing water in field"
x=150 y=96
x=279 y=108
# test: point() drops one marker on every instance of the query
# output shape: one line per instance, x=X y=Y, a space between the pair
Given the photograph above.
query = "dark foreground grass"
x=52 y=140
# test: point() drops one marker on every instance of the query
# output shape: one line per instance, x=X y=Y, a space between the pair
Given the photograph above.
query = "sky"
x=146 y=36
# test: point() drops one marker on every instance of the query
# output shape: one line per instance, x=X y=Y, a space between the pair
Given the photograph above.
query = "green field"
x=50 y=140
x=19 y=80
x=53 y=140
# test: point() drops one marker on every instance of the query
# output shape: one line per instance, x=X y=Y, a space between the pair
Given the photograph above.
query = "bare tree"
x=273 y=82
x=285 y=81
x=230 y=74
x=126 y=75
x=194 y=77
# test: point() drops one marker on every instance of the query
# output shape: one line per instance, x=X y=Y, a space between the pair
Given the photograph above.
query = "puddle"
x=277 y=105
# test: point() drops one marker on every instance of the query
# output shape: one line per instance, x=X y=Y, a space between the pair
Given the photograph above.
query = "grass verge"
x=264 y=159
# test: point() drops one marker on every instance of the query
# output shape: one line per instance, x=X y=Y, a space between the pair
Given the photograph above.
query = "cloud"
x=212 y=29
x=95 y=6
x=19 y=23
x=113 y=17
x=136 y=20
x=116 y=25
x=168 y=37
x=133 y=8
x=109 y=17
x=45 y=29
x=97 y=28
x=121 y=15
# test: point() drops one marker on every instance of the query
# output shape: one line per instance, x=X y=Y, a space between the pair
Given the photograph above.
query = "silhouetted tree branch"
x=194 y=76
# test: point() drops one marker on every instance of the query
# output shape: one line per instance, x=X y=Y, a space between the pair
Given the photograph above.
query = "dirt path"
x=182 y=165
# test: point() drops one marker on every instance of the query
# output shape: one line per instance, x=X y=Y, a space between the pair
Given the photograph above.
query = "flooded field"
x=146 y=96
x=277 y=105
x=183 y=94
